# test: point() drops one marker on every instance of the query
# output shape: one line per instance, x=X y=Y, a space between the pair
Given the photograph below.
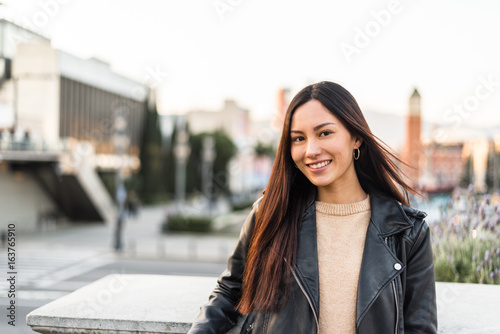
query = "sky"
x=199 y=53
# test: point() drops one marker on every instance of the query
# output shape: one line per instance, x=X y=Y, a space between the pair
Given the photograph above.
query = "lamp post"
x=181 y=151
x=121 y=143
x=208 y=157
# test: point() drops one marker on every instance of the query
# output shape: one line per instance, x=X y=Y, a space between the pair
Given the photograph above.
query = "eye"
x=325 y=133
x=298 y=139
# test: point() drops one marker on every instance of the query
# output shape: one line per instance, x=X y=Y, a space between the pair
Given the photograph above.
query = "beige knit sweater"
x=341 y=232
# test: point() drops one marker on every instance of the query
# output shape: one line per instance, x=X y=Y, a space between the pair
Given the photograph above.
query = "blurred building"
x=442 y=159
x=12 y=35
x=282 y=102
x=62 y=119
x=443 y=167
x=248 y=173
x=75 y=98
x=232 y=119
x=235 y=122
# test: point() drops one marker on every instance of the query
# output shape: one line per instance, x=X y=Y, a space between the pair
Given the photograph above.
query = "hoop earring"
x=356 y=157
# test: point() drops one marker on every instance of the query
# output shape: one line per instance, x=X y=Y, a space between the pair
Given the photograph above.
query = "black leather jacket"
x=396 y=291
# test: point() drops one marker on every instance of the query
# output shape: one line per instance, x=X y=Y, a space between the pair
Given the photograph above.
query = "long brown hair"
x=278 y=220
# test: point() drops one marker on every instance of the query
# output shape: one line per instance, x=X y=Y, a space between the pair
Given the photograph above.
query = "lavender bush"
x=466 y=240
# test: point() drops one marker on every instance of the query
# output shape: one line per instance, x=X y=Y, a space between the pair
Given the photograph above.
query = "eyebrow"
x=316 y=128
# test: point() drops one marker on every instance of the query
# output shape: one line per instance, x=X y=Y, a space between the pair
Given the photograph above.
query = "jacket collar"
x=388 y=215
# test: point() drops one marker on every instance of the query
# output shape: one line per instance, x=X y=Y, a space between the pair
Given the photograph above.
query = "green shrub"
x=179 y=223
x=444 y=270
x=242 y=205
x=466 y=241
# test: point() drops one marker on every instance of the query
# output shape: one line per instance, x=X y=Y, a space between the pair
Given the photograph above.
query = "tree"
x=262 y=150
x=151 y=155
x=225 y=150
x=493 y=170
x=466 y=177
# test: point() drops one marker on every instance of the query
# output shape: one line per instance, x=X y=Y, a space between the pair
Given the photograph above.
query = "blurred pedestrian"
x=3 y=238
x=333 y=245
x=26 y=139
x=132 y=204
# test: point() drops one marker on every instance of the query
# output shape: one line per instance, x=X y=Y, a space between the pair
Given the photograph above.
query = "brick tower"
x=412 y=150
x=283 y=100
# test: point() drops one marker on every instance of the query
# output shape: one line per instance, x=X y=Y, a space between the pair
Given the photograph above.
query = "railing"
x=168 y=304
x=9 y=144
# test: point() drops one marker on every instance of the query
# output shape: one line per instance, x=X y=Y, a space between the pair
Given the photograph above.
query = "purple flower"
x=475 y=223
x=487 y=199
x=486 y=255
x=449 y=203
x=483 y=211
x=470 y=189
x=478 y=269
x=492 y=274
x=473 y=257
x=475 y=208
x=497 y=251
x=486 y=223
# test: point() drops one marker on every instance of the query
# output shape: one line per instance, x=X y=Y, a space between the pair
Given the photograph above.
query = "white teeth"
x=321 y=164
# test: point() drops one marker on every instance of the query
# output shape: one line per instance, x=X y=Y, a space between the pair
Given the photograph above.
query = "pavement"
x=142 y=238
x=57 y=260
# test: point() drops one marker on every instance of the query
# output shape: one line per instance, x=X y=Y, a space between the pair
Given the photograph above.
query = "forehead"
x=311 y=114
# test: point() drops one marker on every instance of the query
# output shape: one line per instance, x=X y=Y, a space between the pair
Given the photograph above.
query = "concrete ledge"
x=142 y=304
x=468 y=308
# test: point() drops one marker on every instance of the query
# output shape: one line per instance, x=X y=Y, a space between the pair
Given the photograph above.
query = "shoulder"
x=413 y=212
x=256 y=204
x=420 y=227
x=248 y=225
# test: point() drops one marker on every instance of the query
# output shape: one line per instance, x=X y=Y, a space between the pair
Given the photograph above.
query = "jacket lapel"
x=378 y=266
x=307 y=256
x=377 y=270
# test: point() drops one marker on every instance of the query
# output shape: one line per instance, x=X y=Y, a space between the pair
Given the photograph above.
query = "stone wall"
x=118 y=304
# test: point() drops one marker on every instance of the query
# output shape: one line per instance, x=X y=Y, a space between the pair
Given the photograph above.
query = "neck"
x=341 y=195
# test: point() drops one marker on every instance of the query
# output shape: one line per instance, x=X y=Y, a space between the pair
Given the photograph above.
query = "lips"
x=319 y=164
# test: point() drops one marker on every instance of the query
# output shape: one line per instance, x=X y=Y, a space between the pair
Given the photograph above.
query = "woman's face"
x=322 y=148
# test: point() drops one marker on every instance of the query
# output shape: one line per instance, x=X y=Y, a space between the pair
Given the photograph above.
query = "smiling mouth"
x=319 y=165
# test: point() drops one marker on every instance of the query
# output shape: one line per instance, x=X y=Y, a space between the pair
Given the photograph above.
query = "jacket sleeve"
x=219 y=315
x=420 y=315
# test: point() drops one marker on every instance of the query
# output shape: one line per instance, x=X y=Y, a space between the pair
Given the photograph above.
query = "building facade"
x=62 y=119
x=75 y=98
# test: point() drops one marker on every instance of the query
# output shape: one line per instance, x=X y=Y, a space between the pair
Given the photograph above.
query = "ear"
x=357 y=142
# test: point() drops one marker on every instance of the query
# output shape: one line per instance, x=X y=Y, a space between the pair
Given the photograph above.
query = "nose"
x=313 y=149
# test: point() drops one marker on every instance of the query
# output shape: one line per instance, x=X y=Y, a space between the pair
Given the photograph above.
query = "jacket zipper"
x=393 y=283
x=305 y=294
x=397 y=307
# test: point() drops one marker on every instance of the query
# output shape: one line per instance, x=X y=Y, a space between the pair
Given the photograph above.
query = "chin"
x=320 y=183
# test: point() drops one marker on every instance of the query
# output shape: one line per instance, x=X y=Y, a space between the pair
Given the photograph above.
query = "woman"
x=333 y=245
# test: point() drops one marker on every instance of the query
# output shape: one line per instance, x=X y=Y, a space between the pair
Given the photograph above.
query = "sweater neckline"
x=343 y=209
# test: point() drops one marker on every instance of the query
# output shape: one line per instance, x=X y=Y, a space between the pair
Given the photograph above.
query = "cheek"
x=296 y=153
x=341 y=148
